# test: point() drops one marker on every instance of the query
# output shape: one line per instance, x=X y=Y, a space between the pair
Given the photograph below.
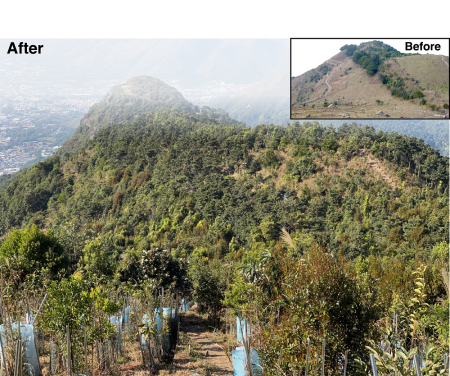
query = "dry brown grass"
x=375 y=169
x=356 y=93
x=419 y=68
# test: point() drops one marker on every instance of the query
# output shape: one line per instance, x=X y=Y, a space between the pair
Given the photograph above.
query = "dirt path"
x=329 y=87
x=201 y=351
x=444 y=61
x=316 y=99
x=379 y=168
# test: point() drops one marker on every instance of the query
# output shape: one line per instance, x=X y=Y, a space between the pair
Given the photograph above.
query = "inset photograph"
x=370 y=78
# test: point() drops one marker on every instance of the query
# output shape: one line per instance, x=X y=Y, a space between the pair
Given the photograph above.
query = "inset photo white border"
x=328 y=83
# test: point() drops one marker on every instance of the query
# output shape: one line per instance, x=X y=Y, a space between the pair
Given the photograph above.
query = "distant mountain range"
x=373 y=80
x=263 y=103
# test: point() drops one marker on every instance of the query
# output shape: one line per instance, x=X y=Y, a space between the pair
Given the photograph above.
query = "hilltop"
x=126 y=101
x=373 y=80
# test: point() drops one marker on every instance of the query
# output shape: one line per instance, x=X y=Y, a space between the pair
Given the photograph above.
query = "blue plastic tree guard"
x=185 y=305
x=31 y=360
x=164 y=336
x=240 y=362
x=240 y=329
x=117 y=321
x=126 y=315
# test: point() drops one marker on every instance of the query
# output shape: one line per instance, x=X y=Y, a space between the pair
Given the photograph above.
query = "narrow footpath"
x=201 y=351
x=329 y=87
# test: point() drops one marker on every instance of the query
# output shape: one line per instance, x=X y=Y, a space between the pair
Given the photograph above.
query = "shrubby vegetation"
x=370 y=62
x=349 y=49
x=322 y=71
x=372 y=57
x=434 y=132
x=180 y=201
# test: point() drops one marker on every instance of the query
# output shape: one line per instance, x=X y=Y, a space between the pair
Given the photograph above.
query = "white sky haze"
x=307 y=54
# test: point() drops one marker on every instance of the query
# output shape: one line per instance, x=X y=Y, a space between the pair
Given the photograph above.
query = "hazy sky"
x=309 y=53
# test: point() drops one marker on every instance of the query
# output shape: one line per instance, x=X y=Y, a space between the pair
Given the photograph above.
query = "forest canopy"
x=311 y=231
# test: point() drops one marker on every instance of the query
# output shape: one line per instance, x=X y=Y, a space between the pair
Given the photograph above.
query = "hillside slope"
x=434 y=132
x=185 y=182
x=400 y=85
x=126 y=101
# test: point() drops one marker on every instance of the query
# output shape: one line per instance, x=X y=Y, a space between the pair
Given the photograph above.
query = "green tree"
x=97 y=262
x=271 y=160
x=209 y=287
x=31 y=250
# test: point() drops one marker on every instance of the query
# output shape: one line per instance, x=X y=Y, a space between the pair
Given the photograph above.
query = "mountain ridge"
x=126 y=101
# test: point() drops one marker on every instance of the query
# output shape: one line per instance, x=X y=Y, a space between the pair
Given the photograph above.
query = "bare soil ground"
x=201 y=350
x=375 y=169
x=356 y=94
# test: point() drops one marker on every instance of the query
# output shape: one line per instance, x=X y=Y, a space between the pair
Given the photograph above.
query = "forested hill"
x=125 y=101
x=434 y=132
x=183 y=181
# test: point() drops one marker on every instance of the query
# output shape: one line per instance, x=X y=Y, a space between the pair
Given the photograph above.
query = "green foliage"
x=97 y=262
x=330 y=145
x=349 y=49
x=67 y=304
x=319 y=73
x=148 y=195
x=302 y=168
x=209 y=286
x=271 y=160
x=370 y=62
x=401 y=174
x=183 y=182
x=31 y=250
x=398 y=361
x=71 y=304
x=409 y=334
x=157 y=265
x=291 y=309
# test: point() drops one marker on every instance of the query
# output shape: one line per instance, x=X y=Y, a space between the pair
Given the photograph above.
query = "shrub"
x=330 y=145
x=31 y=250
x=157 y=264
x=209 y=287
x=270 y=159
